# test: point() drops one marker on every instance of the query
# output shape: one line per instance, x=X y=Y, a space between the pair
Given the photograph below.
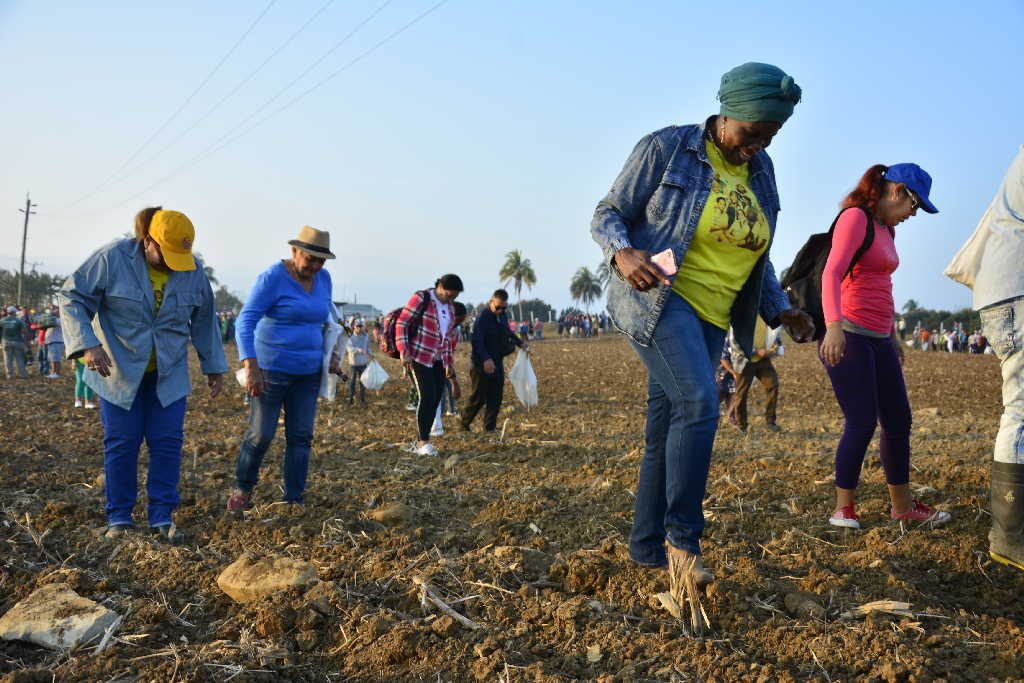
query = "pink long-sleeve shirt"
x=864 y=298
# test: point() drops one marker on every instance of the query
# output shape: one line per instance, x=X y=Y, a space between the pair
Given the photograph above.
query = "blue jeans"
x=297 y=394
x=123 y=431
x=682 y=418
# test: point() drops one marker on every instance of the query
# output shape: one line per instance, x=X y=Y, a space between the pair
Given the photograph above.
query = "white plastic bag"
x=241 y=376
x=333 y=336
x=374 y=376
x=524 y=382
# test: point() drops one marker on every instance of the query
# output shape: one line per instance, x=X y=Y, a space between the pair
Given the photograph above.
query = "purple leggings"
x=869 y=386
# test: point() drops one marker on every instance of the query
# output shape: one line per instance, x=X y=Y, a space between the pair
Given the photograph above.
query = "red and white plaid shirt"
x=427 y=344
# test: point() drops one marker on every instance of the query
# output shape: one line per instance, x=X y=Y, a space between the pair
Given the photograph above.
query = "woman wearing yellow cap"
x=150 y=297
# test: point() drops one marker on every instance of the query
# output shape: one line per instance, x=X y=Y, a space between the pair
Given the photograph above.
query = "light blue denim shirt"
x=109 y=301
x=655 y=204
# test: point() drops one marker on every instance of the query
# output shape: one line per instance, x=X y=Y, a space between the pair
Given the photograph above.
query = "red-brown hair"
x=142 y=221
x=868 y=190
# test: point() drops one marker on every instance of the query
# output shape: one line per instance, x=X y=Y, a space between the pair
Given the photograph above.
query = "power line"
x=177 y=111
x=228 y=138
x=209 y=112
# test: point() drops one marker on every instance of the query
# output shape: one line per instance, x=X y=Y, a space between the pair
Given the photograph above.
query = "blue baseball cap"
x=916 y=179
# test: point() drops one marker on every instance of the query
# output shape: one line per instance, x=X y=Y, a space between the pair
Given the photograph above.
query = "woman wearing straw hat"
x=280 y=343
x=149 y=296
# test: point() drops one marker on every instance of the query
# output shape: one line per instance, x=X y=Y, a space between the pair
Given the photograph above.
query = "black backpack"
x=802 y=280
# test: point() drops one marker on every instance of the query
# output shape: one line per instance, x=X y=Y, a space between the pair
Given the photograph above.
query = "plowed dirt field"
x=525 y=536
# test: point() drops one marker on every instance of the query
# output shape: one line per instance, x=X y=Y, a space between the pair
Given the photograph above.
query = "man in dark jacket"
x=491 y=337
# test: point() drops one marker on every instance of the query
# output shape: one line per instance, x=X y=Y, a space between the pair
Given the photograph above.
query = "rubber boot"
x=1006 y=538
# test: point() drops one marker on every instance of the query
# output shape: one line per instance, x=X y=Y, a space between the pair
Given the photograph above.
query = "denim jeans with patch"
x=682 y=418
x=1002 y=324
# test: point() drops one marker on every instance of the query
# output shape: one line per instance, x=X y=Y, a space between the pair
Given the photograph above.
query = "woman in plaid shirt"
x=424 y=336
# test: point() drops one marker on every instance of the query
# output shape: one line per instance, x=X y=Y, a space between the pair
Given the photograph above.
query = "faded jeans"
x=1002 y=325
x=14 y=358
x=297 y=394
x=682 y=418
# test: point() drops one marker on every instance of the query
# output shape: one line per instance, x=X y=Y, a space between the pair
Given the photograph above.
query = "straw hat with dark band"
x=314 y=242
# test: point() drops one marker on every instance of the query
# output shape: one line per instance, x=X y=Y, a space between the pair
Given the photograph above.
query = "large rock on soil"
x=250 y=577
x=57 y=617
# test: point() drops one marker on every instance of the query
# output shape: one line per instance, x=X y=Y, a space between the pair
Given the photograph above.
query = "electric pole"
x=24 y=238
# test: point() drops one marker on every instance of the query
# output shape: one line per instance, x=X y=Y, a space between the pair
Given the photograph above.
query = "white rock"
x=250 y=578
x=57 y=617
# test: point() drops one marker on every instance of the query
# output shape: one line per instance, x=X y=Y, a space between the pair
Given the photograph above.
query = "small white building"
x=365 y=311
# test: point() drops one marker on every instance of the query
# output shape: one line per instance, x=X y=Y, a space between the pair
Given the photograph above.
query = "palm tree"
x=910 y=306
x=585 y=287
x=604 y=275
x=517 y=271
x=208 y=269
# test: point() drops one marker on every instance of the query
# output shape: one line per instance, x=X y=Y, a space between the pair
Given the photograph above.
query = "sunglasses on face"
x=914 y=201
x=501 y=308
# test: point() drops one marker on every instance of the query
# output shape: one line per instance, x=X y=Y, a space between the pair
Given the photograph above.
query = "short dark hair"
x=500 y=294
x=460 y=308
x=451 y=282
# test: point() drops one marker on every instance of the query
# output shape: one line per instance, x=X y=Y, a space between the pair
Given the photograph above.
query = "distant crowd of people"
x=955 y=340
x=583 y=326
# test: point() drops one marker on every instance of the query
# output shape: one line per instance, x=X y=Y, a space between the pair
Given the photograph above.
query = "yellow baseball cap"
x=173 y=231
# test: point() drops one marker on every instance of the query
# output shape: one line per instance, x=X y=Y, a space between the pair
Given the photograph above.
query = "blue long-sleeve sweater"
x=281 y=325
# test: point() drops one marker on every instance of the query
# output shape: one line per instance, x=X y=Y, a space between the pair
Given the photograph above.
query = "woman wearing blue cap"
x=861 y=349
x=685 y=272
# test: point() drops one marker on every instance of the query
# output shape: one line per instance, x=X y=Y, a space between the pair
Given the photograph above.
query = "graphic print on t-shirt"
x=157 y=280
x=736 y=216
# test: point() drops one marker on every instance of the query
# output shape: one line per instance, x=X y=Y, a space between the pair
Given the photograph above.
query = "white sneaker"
x=52 y=376
x=90 y=405
x=78 y=403
x=427 y=449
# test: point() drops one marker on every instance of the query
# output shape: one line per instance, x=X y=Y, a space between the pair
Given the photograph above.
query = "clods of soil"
x=506 y=558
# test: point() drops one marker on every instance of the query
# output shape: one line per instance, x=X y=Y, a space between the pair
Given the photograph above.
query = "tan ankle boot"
x=681 y=562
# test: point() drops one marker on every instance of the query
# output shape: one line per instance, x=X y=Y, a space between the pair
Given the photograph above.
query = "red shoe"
x=239 y=501
x=922 y=513
x=845 y=517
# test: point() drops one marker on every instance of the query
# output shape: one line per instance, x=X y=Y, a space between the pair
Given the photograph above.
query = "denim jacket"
x=109 y=301
x=655 y=204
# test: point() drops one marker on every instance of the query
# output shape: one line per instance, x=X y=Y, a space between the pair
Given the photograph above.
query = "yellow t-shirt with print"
x=731 y=235
x=157 y=280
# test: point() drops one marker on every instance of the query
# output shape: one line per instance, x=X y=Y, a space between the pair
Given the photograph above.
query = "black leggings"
x=429 y=382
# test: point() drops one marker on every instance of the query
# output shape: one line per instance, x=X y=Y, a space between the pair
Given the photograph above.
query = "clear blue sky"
x=485 y=127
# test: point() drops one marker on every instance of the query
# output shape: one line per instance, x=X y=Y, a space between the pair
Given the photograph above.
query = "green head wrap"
x=758 y=92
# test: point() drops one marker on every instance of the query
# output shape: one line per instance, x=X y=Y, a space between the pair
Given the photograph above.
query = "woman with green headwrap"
x=683 y=279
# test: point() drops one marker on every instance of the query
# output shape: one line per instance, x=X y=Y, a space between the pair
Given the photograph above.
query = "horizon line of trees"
x=40 y=289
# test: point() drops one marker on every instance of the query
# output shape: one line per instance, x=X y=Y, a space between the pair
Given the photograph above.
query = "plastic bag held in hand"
x=524 y=382
x=374 y=376
x=334 y=335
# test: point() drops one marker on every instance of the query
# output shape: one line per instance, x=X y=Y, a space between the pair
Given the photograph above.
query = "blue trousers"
x=682 y=418
x=297 y=394
x=123 y=431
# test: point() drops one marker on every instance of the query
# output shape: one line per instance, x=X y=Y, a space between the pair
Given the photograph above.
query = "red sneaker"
x=922 y=513
x=845 y=517
x=239 y=501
